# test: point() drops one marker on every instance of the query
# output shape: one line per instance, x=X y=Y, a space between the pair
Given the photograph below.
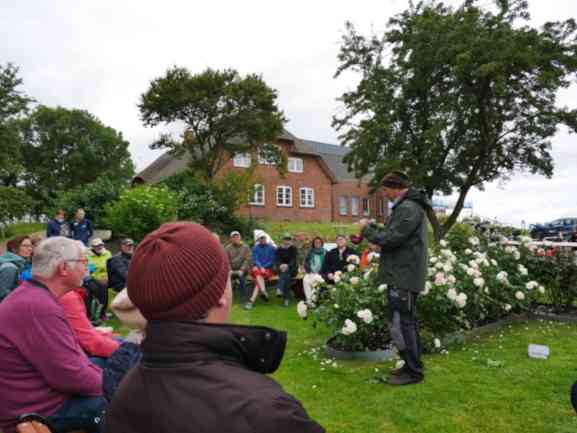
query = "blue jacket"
x=57 y=228
x=82 y=230
x=263 y=256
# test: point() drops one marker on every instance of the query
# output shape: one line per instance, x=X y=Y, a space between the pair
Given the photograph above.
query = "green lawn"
x=489 y=386
x=328 y=231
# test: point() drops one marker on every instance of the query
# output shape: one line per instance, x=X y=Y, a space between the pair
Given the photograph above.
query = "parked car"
x=564 y=228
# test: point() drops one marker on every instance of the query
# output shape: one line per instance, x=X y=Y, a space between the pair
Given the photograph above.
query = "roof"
x=330 y=156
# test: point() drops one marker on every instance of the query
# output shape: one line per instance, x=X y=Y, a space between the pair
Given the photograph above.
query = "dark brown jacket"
x=206 y=379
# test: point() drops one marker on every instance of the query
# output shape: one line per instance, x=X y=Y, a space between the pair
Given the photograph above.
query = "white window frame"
x=258 y=187
x=307 y=197
x=343 y=200
x=296 y=165
x=242 y=160
x=367 y=211
x=355 y=200
x=281 y=196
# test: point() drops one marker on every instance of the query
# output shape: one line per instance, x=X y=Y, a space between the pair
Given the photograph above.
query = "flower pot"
x=369 y=355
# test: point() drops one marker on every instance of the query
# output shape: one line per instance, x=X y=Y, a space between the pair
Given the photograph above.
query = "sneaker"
x=286 y=302
x=398 y=371
x=404 y=379
x=278 y=293
x=248 y=306
x=264 y=297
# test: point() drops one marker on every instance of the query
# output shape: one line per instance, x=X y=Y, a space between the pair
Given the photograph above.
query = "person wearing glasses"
x=15 y=264
x=43 y=368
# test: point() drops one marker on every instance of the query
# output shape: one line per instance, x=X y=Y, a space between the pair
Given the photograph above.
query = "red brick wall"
x=313 y=176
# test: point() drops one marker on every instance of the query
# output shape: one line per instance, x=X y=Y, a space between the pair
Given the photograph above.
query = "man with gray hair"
x=42 y=367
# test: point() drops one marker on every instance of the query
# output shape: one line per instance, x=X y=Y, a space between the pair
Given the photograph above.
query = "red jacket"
x=94 y=343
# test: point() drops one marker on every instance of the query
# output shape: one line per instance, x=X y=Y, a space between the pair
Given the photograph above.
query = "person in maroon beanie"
x=198 y=373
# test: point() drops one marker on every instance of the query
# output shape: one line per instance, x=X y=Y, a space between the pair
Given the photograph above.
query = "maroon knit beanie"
x=177 y=272
x=396 y=180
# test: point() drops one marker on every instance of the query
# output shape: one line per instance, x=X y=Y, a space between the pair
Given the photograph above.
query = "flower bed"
x=471 y=282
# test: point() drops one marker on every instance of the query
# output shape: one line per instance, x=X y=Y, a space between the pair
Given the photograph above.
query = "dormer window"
x=295 y=165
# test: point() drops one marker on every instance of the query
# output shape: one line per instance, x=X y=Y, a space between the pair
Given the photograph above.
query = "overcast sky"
x=100 y=56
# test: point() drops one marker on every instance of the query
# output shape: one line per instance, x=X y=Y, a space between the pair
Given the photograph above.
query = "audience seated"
x=263 y=255
x=117 y=266
x=286 y=266
x=198 y=373
x=239 y=257
x=15 y=264
x=44 y=369
x=314 y=261
x=336 y=259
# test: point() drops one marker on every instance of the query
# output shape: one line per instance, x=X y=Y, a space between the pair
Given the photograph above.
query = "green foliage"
x=64 y=149
x=13 y=105
x=15 y=204
x=18 y=229
x=224 y=114
x=456 y=97
x=92 y=197
x=140 y=210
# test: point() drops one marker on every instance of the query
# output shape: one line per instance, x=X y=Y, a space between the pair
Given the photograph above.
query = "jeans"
x=405 y=329
x=285 y=280
x=79 y=413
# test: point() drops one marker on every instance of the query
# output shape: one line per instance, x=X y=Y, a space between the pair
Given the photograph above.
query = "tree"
x=456 y=97
x=223 y=114
x=13 y=104
x=15 y=204
x=64 y=149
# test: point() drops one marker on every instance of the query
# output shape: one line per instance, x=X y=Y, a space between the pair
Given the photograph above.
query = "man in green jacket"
x=403 y=268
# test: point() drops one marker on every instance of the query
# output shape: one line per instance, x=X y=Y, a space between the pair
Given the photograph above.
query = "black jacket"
x=117 y=269
x=403 y=242
x=207 y=378
x=287 y=256
x=334 y=261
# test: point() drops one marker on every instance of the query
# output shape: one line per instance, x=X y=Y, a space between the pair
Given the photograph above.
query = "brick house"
x=317 y=186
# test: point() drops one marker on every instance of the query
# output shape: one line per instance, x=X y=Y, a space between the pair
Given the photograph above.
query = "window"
x=295 y=165
x=263 y=160
x=366 y=207
x=343 y=205
x=307 y=197
x=354 y=206
x=284 y=196
x=242 y=160
x=258 y=195
x=381 y=207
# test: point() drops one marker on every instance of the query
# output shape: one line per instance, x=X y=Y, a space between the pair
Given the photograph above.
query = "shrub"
x=92 y=197
x=141 y=210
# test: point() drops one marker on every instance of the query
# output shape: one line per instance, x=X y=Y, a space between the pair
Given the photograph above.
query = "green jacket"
x=403 y=242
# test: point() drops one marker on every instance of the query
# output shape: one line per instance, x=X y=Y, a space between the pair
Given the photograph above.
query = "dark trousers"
x=404 y=329
x=285 y=280
x=240 y=285
x=79 y=413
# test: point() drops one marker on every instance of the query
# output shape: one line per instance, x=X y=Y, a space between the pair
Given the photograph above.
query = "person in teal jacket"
x=14 y=264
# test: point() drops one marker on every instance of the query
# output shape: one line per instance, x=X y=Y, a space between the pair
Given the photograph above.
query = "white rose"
x=433 y=260
x=353 y=259
x=349 y=328
x=541 y=290
x=437 y=343
x=468 y=251
x=448 y=267
x=519 y=295
x=474 y=241
x=509 y=250
x=507 y=307
x=502 y=276
x=473 y=264
x=439 y=265
x=451 y=279
x=440 y=279
x=516 y=255
x=479 y=282
x=471 y=272
x=365 y=315
x=443 y=243
x=336 y=306
x=302 y=309
x=355 y=281
x=494 y=262
x=461 y=300
x=452 y=294
x=351 y=267
x=522 y=269
x=531 y=285
x=382 y=288
x=337 y=278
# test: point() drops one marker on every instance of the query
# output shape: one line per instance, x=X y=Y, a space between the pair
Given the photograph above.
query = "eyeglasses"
x=85 y=261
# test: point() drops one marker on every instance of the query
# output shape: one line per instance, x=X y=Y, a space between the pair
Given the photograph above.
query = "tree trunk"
x=457 y=209
x=437 y=229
